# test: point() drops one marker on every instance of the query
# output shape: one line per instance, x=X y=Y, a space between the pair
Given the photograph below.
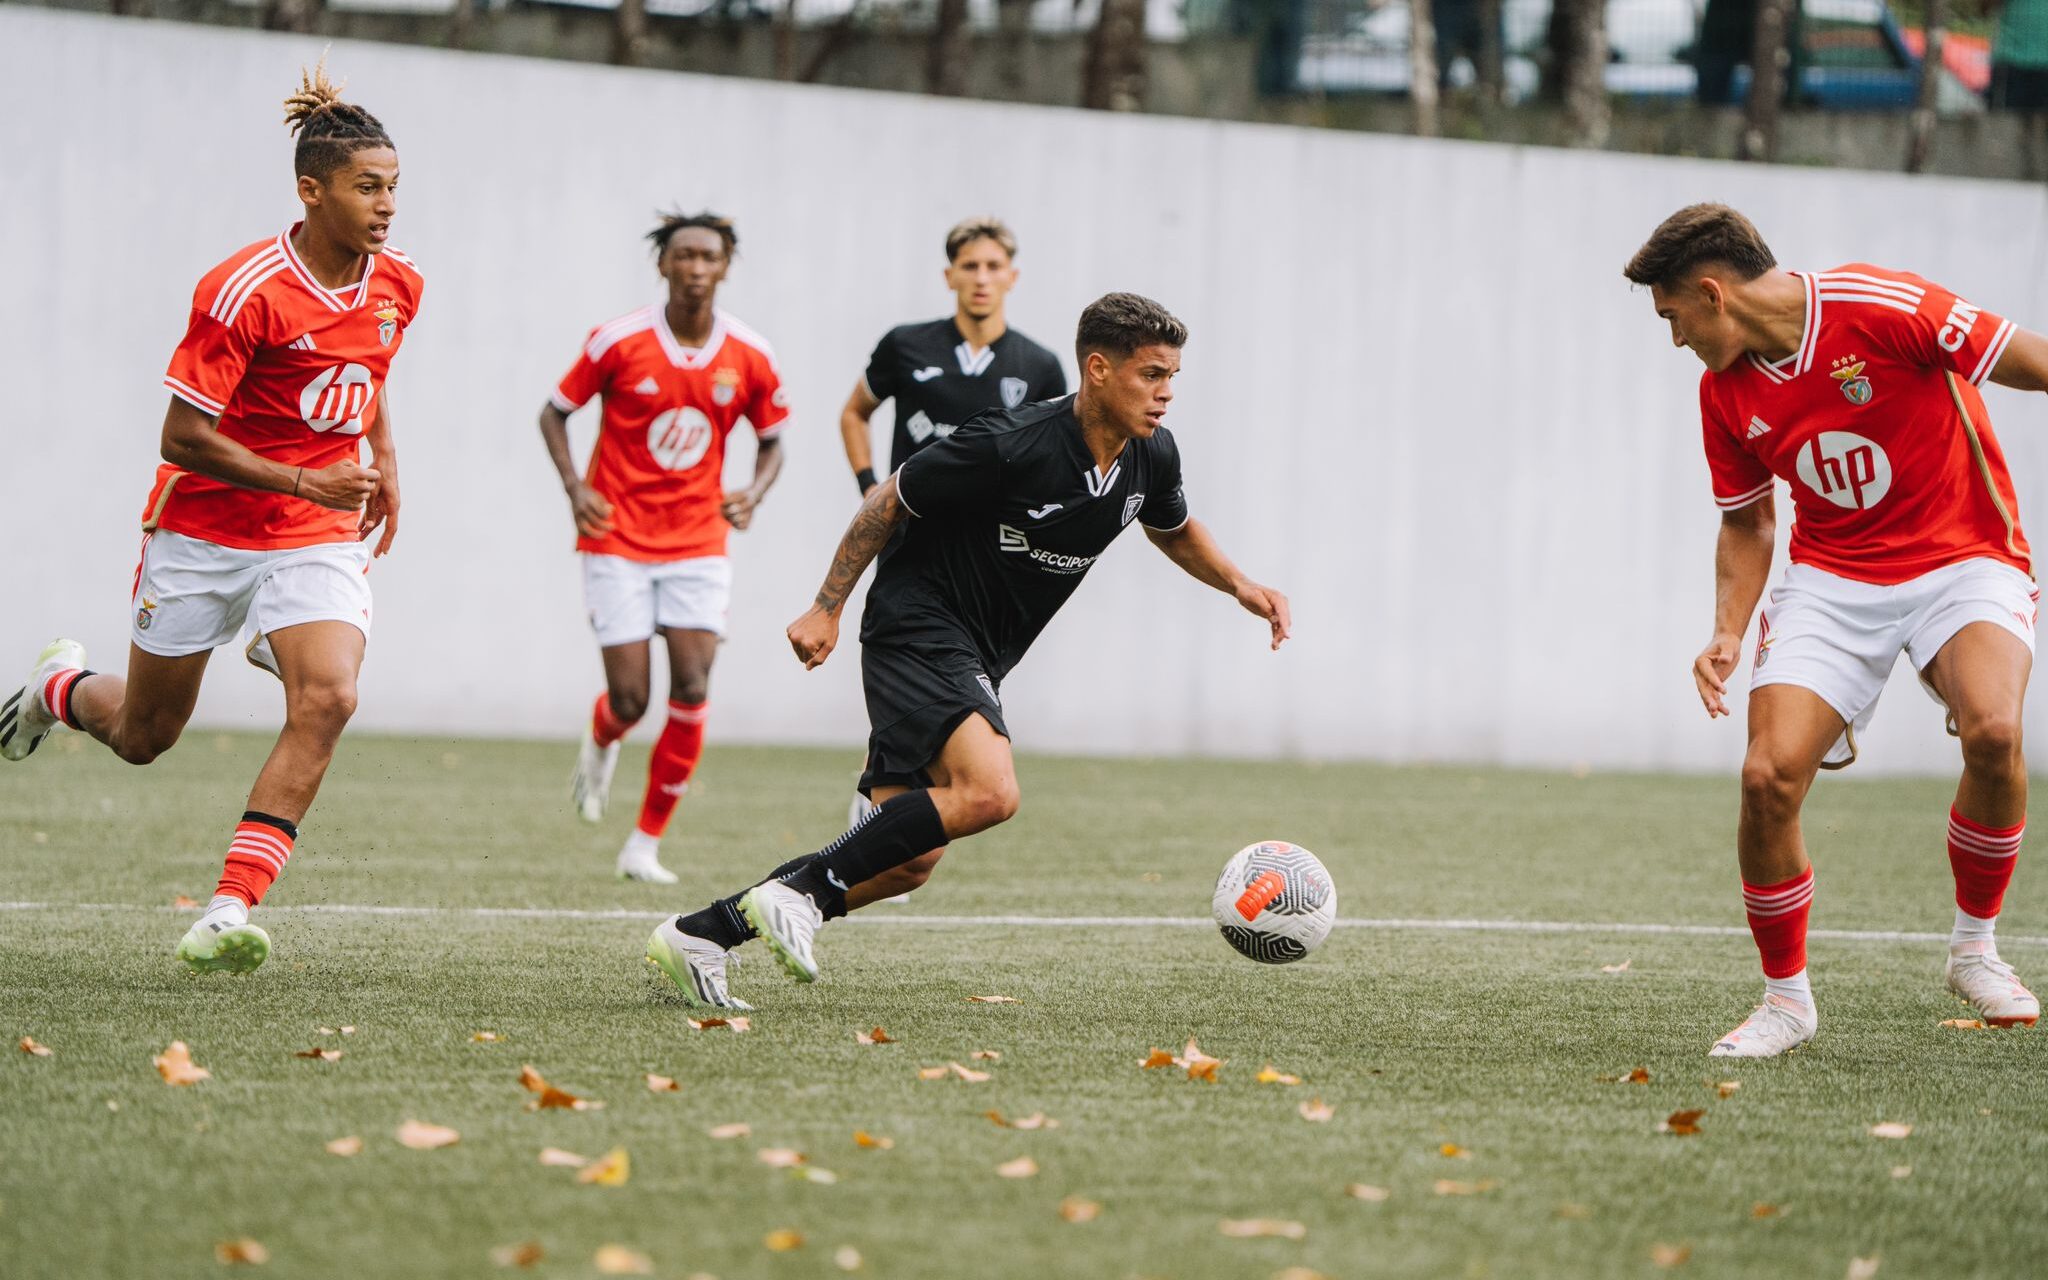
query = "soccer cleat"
x=1778 y=1026
x=1977 y=975
x=212 y=946
x=640 y=859
x=24 y=719
x=591 y=785
x=696 y=965
x=787 y=920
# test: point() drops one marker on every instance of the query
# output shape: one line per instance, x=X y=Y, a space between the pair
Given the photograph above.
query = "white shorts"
x=192 y=595
x=1840 y=638
x=629 y=599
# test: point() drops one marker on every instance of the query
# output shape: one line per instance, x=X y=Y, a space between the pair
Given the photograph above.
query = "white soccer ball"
x=1275 y=902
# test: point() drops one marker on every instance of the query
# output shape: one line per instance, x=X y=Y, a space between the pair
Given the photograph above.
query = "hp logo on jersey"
x=1846 y=469
x=679 y=438
x=335 y=400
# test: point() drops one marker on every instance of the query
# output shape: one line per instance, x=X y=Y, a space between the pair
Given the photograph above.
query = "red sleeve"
x=768 y=405
x=584 y=380
x=208 y=365
x=1925 y=324
x=1740 y=478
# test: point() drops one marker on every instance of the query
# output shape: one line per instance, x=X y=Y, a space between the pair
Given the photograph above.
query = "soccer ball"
x=1274 y=902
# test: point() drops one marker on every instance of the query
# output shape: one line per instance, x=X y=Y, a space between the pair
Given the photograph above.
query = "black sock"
x=895 y=831
x=722 y=921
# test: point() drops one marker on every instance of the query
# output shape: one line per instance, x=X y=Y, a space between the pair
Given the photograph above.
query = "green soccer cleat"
x=223 y=948
x=696 y=965
x=24 y=720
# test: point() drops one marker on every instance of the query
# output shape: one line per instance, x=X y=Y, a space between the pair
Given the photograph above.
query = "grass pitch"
x=1490 y=1042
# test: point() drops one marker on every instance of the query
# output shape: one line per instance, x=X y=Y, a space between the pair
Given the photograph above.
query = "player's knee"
x=690 y=690
x=1992 y=743
x=324 y=708
x=990 y=803
x=1770 y=787
x=628 y=706
x=142 y=742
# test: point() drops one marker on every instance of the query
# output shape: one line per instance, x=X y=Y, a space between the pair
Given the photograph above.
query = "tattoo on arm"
x=865 y=537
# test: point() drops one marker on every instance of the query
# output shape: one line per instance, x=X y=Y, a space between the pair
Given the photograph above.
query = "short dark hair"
x=982 y=226
x=1118 y=324
x=1695 y=236
x=329 y=130
x=675 y=220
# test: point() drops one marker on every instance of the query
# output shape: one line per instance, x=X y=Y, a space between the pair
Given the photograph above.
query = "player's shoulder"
x=1865 y=287
x=1161 y=446
x=619 y=329
x=1013 y=432
x=748 y=337
x=253 y=270
x=914 y=341
x=1029 y=347
x=396 y=269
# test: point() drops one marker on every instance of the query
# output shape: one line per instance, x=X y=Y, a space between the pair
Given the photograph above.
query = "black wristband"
x=865 y=478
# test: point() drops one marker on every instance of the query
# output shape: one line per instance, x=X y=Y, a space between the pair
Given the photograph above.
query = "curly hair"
x=675 y=220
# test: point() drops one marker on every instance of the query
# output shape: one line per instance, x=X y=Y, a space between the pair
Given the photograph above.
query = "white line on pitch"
x=892 y=918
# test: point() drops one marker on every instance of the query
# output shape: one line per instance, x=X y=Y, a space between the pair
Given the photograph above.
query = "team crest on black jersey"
x=1013 y=390
x=1855 y=387
x=1131 y=505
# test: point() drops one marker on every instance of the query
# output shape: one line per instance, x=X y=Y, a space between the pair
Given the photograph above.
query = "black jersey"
x=939 y=382
x=1008 y=513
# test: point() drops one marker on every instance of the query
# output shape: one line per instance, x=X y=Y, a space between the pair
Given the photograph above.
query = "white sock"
x=641 y=848
x=1793 y=988
x=225 y=910
x=1970 y=928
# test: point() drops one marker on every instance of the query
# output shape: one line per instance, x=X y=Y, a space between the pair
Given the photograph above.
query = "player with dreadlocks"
x=259 y=522
x=652 y=512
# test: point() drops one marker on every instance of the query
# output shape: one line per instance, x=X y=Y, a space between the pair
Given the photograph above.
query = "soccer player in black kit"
x=999 y=521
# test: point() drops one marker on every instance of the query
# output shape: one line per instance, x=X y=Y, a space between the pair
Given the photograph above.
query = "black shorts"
x=917 y=695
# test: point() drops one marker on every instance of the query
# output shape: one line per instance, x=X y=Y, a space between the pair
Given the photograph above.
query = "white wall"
x=1419 y=396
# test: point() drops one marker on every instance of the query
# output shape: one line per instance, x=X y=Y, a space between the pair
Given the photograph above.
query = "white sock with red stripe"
x=256 y=857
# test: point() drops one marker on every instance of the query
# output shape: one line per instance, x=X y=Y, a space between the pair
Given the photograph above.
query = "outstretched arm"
x=815 y=633
x=1191 y=547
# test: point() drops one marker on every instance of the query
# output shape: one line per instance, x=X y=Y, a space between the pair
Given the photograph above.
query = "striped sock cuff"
x=57 y=694
x=1986 y=842
x=261 y=843
x=688 y=712
x=1767 y=901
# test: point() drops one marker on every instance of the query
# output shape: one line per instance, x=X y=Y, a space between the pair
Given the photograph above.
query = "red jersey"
x=292 y=369
x=660 y=455
x=1877 y=424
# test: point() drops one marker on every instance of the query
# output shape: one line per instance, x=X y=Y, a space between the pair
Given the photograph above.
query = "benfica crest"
x=725 y=387
x=387 y=325
x=1855 y=387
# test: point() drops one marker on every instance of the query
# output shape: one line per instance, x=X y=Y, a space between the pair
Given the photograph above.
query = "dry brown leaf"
x=612 y=1169
x=780 y=1157
x=1682 y=1123
x=1036 y=1120
x=1763 y=1210
x=618 y=1260
x=985 y=1055
x=968 y=1074
x=319 y=1054
x=1641 y=1075
x=551 y=1098
x=242 y=1251
x=862 y=1138
x=185 y=902
x=725 y=1131
x=1890 y=1129
x=1267 y=1075
x=1616 y=968
x=846 y=1258
x=348 y=1031
x=993 y=1000
x=931 y=1073
x=1964 y=1024
x=1200 y=1065
x=1573 y=1212
x=782 y=1240
x=1861 y=1269
x=175 y=1065
x=1727 y=1088
x=518 y=1255
x=28 y=1045
x=1902 y=1171
x=555 y=1157
x=1158 y=1058
x=1021 y=1167
x=426 y=1137
x=1316 y=1111
x=1367 y=1192
x=1452 y=1151
x=349 y=1146
x=662 y=1084
x=709 y=1024
x=1253 y=1228
x=1668 y=1256
x=1448 y=1187
x=877 y=1036
x=1075 y=1209
x=486 y=1037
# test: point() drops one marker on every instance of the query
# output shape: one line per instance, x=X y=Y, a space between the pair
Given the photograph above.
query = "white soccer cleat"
x=591 y=785
x=24 y=719
x=696 y=965
x=1779 y=1025
x=1977 y=975
x=787 y=921
x=640 y=860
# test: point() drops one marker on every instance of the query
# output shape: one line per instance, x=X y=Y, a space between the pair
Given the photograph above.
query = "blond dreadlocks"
x=329 y=130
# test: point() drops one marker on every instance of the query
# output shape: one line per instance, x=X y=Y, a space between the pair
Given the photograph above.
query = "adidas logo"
x=1758 y=427
x=648 y=387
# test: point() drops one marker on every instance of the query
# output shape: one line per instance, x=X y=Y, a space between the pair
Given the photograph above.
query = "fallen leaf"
x=993 y=1000
x=320 y=1055
x=1616 y=968
x=782 y=1240
x=551 y=1098
x=846 y=1258
x=1447 y=1187
x=1668 y=1256
x=1316 y=1111
x=1021 y=1167
x=1861 y=1269
x=349 y=1146
x=662 y=1084
x=1158 y=1058
x=931 y=1073
x=555 y=1157
x=1902 y=1171
x=1682 y=1123
x=1200 y=1065
x=725 y=1131
x=610 y=1170
x=968 y=1074
x=707 y=1024
x=1299 y=1273
x=618 y=1260
x=1964 y=1024
x=1075 y=1209
x=486 y=1037
x=518 y=1255
x=1727 y=1088
x=348 y=1031
x=824 y=1177
x=1890 y=1129
x=1367 y=1192
x=1253 y=1228
x=244 y=1251
x=1762 y=1210
x=1452 y=1151
x=780 y=1157
x=877 y=1036
x=986 y=1055
x=426 y=1137
x=185 y=902
x=1641 y=1075
x=175 y=1065
x=1269 y=1076
x=862 y=1138
x=1574 y=1212
x=28 y=1045
x=1036 y=1120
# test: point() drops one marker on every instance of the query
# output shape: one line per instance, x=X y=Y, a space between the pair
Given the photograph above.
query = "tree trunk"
x=1768 y=58
x=1013 y=27
x=629 y=32
x=1423 y=76
x=291 y=15
x=1113 y=76
x=461 y=24
x=947 y=60
x=1920 y=137
x=1584 y=78
x=1492 y=67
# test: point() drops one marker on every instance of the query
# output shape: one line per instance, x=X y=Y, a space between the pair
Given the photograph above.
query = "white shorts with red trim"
x=1840 y=638
x=630 y=599
x=192 y=595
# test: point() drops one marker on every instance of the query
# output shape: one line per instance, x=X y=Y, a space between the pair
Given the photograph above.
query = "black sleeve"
x=1166 y=506
x=953 y=476
x=885 y=368
x=1051 y=380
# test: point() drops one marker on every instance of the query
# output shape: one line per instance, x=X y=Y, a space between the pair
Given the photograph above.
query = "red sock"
x=1982 y=858
x=675 y=759
x=1777 y=920
x=257 y=854
x=606 y=728
x=57 y=693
